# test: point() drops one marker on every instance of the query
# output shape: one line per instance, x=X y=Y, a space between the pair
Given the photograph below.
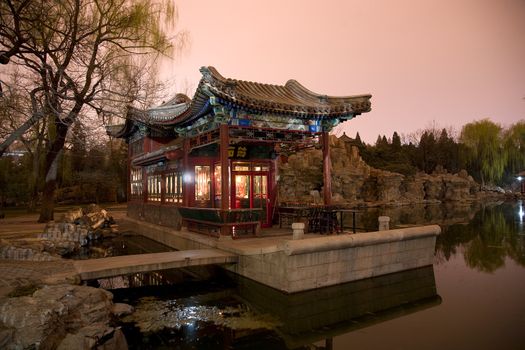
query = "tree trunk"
x=33 y=200
x=19 y=132
x=51 y=170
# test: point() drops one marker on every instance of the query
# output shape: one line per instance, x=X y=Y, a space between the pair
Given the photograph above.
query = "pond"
x=472 y=298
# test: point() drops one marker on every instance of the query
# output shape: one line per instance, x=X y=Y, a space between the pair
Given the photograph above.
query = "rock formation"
x=356 y=183
x=75 y=229
x=60 y=317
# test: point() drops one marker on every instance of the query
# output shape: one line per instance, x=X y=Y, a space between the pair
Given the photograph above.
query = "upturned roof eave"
x=291 y=99
x=121 y=130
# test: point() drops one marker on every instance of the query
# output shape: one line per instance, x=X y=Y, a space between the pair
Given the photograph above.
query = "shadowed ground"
x=16 y=273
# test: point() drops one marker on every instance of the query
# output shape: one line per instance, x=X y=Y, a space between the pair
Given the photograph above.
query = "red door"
x=250 y=190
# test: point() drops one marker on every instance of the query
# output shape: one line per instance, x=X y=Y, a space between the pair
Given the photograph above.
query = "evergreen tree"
x=396 y=142
x=426 y=152
x=358 y=141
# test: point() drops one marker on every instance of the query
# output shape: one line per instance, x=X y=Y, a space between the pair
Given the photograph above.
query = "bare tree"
x=75 y=49
x=15 y=110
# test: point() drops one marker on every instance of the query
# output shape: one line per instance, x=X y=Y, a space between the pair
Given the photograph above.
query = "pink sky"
x=447 y=62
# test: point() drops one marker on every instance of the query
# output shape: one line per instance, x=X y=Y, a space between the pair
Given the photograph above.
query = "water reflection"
x=485 y=234
x=443 y=214
x=250 y=313
x=221 y=313
x=312 y=316
x=494 y=233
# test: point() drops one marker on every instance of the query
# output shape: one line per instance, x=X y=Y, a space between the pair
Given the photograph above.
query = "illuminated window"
x=136 y=183
x=217 y=175
x=261 y=167
x=202 y=182
x=154 y=188
x=173 y=182
x=241 y=166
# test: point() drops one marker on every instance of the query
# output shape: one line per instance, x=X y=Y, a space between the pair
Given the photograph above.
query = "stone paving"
x=18 y=273
x=15 y=273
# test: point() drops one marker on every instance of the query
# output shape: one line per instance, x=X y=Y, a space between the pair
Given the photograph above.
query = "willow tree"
x=515 y=145
x=75 y=50
x=486 y=155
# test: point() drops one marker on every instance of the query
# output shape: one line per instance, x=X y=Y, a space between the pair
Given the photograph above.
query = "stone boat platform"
x=293 y=265
x=274 y=259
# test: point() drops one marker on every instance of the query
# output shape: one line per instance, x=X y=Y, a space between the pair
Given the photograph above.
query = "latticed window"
x=173 y=182
x=154 y=188
x=136 y=183
x=202 y=183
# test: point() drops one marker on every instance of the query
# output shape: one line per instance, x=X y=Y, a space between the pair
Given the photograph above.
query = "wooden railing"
x=215 y=222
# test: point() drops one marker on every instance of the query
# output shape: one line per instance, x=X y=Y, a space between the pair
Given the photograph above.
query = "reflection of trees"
x=490 y=237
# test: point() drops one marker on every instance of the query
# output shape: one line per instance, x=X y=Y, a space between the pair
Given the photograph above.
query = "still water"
x=473 y=297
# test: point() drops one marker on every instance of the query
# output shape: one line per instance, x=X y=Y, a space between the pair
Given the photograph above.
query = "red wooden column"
x=185 y=173
x=327 y=164
x=225 y=173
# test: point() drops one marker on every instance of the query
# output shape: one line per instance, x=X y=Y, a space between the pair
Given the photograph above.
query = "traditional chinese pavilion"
x=210 y=161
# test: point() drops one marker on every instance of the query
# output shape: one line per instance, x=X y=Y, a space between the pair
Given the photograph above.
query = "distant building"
x=17 y=154
x=211 y=160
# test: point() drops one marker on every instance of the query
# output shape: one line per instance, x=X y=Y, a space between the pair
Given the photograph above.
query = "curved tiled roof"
x=291 y=98
x=122 y=130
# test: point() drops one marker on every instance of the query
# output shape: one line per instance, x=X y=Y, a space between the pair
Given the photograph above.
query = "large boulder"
x=29 y=249
x=456 y=188
x=389 y=186
x=60 y=316
x=76 y=228
x=413 y=189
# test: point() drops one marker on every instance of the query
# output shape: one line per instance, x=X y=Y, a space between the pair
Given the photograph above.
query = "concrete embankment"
x=315 y=261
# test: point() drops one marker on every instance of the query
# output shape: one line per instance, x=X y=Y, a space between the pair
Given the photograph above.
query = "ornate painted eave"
x=158 y=120
x=167 y=114
x=291 y=99
x=161 y=155
x=122 y=130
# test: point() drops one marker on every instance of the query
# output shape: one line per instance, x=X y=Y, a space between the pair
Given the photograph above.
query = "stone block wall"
x=23 y=253
x=165 y=215
x=298 y=265
x=325 y=261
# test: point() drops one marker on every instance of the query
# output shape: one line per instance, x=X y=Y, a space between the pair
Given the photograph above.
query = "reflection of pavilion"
x=312 y=316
